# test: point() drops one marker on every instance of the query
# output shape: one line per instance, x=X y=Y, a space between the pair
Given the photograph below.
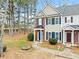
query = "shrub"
x=52 y=41
x=30 y=36
x=4 y=48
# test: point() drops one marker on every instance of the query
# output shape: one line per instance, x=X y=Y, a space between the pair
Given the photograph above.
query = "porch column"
x=45 y=36
x=34 y=36
x=64 y=37
x=72 y=38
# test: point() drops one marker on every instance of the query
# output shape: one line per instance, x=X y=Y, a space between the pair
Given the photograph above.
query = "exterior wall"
x=75 y=20
x=53 y=28
x=56 y=28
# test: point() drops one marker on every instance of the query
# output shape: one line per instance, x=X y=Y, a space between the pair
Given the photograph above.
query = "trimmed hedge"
x=52 y=41
x=30 y=36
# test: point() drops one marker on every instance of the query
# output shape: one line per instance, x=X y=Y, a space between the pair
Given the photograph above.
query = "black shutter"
x=60 y=20
x=53 y=21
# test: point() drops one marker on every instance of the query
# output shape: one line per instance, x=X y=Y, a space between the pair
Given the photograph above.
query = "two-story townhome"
x=61 y=23
x=70 y=24
x=47 y=24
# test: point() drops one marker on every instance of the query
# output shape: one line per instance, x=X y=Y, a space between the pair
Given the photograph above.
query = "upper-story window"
x=40 y=21
x=50 y=21
x=53 y=21
x=57 y=20
x=65 y=19
x=71 y=19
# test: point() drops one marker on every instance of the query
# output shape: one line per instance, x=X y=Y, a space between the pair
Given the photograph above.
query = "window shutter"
x=53 y=21
x=53 y=34
x=46 y=21
x=60 y=20
x=46 y=35
x=65 y=19
x=60 y=35
x=71 y=19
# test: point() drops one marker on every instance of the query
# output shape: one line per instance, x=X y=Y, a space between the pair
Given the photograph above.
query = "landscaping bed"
x=58 y=46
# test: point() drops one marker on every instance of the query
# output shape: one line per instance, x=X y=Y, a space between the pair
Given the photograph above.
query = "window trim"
x=57 y=20
x=40 y=21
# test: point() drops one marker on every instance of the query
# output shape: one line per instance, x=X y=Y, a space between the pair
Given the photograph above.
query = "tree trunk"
x=27 y=19
x=24 y=20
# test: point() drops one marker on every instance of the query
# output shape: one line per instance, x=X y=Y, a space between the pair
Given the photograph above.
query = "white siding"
x=53 y=28
x=75 y=20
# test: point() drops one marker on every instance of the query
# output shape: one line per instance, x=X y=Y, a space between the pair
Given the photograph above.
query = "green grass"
x=16 y=43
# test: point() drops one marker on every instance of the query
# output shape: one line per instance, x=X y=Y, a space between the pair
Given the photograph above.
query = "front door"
x=68 y=37
x=39 y=36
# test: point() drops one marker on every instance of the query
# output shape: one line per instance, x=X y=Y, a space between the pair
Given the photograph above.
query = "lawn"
x=17 y=43
x=58 y=46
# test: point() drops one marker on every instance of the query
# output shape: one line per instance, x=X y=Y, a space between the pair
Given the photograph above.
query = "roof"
x=74 y=26
x=69 y=10
x=71 y=27
x=48 y=10
x=63 y=10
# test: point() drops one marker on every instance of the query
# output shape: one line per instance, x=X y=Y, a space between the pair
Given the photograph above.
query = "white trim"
x=64 y=37
x=78 y=37
x=72 y=37
x=38 y=29
x=34 y=36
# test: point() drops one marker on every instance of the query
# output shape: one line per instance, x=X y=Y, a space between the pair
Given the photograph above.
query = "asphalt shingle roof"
x=69 y=10
x=75 y=26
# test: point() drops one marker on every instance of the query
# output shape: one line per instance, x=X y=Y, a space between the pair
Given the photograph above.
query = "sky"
x=41 y=3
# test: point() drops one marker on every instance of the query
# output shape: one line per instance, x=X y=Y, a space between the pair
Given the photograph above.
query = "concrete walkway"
x=65 y=54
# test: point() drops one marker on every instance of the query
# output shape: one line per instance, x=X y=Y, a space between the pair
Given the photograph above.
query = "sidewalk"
x=66 y=53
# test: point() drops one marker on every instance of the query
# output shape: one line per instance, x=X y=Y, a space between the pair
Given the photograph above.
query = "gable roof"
x=48 y=10
x=69 y=10
x=63 y=10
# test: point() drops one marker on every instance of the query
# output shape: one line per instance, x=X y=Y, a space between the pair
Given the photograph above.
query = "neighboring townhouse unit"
x=70 y=24
x=59 y=23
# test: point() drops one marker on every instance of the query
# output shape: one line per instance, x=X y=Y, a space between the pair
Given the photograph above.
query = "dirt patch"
x=75 y=50
x=30 y=54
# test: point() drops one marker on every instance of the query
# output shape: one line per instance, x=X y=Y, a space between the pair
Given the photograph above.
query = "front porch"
x=39 y=35
x=71 y=36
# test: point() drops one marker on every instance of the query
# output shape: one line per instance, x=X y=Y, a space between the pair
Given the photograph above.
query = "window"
x=57 y=35
x=40 y=22
x=57 y=20
x=49 y=21
x=50 y=35
x=71 y=19
x=65 y=19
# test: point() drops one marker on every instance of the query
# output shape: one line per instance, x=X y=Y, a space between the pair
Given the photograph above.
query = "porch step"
x=68 y=45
